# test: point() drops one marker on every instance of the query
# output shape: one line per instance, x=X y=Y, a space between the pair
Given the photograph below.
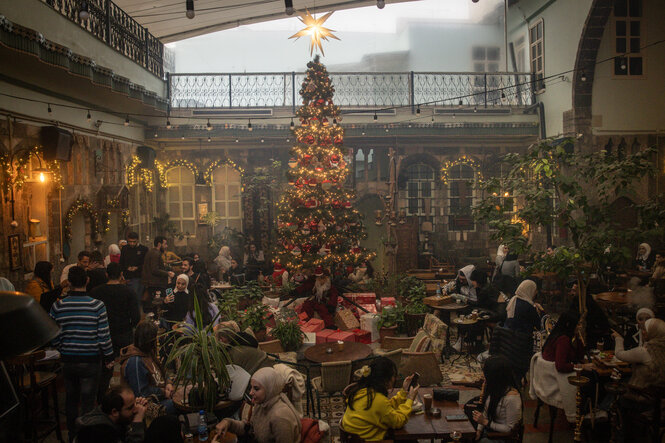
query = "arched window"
x=420 y=190
x=461 y=179
x=226 y=196
x=180 y=199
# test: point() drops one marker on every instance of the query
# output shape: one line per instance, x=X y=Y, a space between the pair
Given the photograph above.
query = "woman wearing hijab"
x=272 y=419
x=644 y=260
x=113 y=256
x=223 y=259
x=6 y=285
x=635 y=334
x=177 y=304
x=500 y=255
x=462 y=284
x=522 y=313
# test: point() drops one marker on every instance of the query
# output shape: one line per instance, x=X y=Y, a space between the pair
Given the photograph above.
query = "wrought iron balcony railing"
x=353 y=89
x=117 y=29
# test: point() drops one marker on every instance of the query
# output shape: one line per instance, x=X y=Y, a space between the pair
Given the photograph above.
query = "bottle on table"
x=203 y=426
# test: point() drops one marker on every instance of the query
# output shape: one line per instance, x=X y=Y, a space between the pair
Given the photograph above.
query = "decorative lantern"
x=347 y=205
x=305 y=230
x=312 y=182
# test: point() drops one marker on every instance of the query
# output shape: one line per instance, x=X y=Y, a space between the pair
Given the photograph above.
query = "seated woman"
x=201 y=276
x=369 y=412
x=461 y=284
x=177 y=304
x=273 y=418
x=209 y=310
x=635 y=334
x=235 y=275
x=522 y=313
x=644 y=260
x=502 y=409
x=488 y=296
x=507 y=264
x=564 y=346
x=141 y=368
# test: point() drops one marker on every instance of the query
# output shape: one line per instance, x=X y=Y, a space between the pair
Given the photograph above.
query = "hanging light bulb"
x=249 y=125
x=292 y=125
x=209 y=126
x=453 y=115
x=236 y=140
x=418 y=110
x=84 y=14
x=475 y=109
x=190 y=9
x=88 y=117
x=460 y=103
x=42 y=177
x=182 y=137
x=49 y=110
x=209 y=139
x=168 y=123
x=432 y=118
x=583 y=76
x=155 y=134
x=288 y=7
x=380 y=4
x=127 y=121
x=375 y=117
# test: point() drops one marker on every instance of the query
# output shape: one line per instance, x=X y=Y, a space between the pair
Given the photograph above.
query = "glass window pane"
x=186 y=176
x=188 y=210
x=540 y=49
x=412 y=189
x=493 y=53
x=620 y=8
x=221 y=209
x=413 y=206
x=234 y=192
x=187 y=193
x=235 y=224
x=426 y=189
x=220 y=192
x=234 y=209
x=172 y=176
x=635 y=28
x=620 y=28
x=636 y=66
x=618 y=61
x=635 y=45
x=467 y=172
x=621 y=45
x=188 y=227
x=539 y=31
x=174 y=193
x=174 y=211
x=635 y=8
x=478 y=53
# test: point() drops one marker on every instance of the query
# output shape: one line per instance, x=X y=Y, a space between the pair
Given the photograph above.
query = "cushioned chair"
x=272 y=346
x=425 y=363
x=335 y=376
x=392 y=343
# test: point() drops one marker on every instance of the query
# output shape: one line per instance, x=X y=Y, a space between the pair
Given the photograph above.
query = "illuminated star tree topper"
x=315 y=29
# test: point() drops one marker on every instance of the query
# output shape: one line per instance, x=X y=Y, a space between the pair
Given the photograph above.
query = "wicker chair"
x=425 y=363
x=392 y=343
x=335 y=376
x=272 y=346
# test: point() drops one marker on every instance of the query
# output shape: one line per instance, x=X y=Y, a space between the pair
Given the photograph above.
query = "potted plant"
x=287 y=331
x=254 y=318
x=201 y=370
x=228 y=305
x=415 y=310
x=391 y=320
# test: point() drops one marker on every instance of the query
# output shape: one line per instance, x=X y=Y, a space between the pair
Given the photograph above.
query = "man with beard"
x=119 y=418
x=132 y=256
x=323 y=299
x=155 y=276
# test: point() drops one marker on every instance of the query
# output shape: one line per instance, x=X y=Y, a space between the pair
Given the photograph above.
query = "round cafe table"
x=350 y=352
x=619 y=298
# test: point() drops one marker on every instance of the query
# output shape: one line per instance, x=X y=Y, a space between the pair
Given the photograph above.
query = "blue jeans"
x=135 y=285
x=81 y=381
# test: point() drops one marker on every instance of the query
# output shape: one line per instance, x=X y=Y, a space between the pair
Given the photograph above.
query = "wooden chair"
x=335 y=376
x=516 y=435
x=425 y=363
x=34 y=387
x=303 y=369
x=272 y=346
x=392 y=343
x=553 y=414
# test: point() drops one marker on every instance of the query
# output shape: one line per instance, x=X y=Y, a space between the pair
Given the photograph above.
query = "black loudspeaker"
x=147 y=156
x=56 y=143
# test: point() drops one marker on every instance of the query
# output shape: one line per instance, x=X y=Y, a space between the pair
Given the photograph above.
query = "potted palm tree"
x=201 y=364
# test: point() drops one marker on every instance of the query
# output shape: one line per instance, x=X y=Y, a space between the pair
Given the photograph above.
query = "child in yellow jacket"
x=369 y=412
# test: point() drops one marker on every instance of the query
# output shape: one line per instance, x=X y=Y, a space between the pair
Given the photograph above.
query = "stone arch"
x=414 y=159
x=585 y=66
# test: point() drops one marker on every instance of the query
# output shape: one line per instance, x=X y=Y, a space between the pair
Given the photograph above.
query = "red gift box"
x=369 y=308
x=302 y=323
x=362 y=298
x=342 y=335
x=387 y=301
x=362 y=336
x=303 y=316
x=322 y=336
x=313 y=325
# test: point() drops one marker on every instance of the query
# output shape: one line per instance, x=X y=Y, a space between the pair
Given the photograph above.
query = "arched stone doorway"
x=81 y=236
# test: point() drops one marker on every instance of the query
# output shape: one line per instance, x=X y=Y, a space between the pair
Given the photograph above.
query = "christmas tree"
x=317 y=224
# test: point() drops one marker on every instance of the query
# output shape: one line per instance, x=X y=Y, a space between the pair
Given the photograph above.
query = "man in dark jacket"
x=119 y=418
x=131 y=263
x=154 y=275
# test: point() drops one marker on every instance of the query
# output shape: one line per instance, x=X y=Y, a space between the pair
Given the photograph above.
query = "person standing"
x=131 y=264
x=83 y=261
x=96 y=270
x=84 y=342
x=155 y=277
x=123 y=315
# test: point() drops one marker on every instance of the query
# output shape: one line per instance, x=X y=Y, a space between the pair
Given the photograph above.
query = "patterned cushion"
x=435 y=327
x=421 y=342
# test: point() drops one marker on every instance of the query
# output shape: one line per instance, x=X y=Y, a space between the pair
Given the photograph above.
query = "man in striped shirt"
x=84 y=342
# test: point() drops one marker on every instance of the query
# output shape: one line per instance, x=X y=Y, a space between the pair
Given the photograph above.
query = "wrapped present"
x=313 y=325
x=387 y=301
x=345 y=320
x=322 y=336
x=309 y=339
x=302 y=323
x=272 y=302
x=362 y=336
x=370 y=322
x=362 y=298
x=342 y=336
x=303 y=316
x=369 y=308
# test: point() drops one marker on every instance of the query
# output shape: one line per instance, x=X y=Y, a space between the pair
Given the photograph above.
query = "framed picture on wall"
x=202 y=212
x=14 y=252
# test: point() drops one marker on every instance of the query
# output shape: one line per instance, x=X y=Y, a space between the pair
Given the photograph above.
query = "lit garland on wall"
x=19 y=176
x=163 y=168
x=207 y=175
x=463 y=160
x=82 y=205
x=124 y=214
x=136 y=175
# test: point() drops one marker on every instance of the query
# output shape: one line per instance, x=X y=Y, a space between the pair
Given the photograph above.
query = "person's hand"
x=110 y=364
x=171 y=274
x=169 y=298
x=615 y=334
x=413 y=392
x=140 y=406
x=222 y=427
x=169 y=390
x=479 y=418
x=407 y=383
x=539 y=307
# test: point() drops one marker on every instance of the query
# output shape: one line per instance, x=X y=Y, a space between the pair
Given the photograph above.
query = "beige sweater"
x=273 y=422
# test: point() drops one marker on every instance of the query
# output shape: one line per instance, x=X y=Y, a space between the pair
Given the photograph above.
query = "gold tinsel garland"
x=82 y=205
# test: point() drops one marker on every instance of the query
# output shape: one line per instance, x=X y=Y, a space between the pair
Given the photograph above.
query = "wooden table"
x=351 y=351
x=619 y=298
x=229 y=437
x=423 y=426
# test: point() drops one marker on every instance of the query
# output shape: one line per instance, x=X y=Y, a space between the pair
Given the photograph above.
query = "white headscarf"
x=644 y=311
x=224 y=258
x=114 y=249
x=186 y=278
x=468 y=290
x=6 y=285
x=525 y=291
x=644 y=256
x=639 y=339
x=500 y=252
x=273 y=383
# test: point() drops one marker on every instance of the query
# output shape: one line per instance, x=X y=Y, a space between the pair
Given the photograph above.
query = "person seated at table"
x=235 y=275
x=243 y=349
x=201 y=276
x=596 y=321
x=141 y=368
x=658 y=268
x=635 y=333
x=209 y=310
x=323 y=299
x=164 y=429
x=489 y=298
x=177 y=304
x=502 y=409
x=369 y=412
x=522 y=313
x=273 y=418
x=253 y=261
x=644 y=260
x=565 y=346
x=461 y=284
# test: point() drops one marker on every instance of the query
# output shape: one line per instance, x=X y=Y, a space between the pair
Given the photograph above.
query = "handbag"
x=154 y=408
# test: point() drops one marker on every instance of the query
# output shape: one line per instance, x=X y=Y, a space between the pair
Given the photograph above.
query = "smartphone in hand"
x=414 y=380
